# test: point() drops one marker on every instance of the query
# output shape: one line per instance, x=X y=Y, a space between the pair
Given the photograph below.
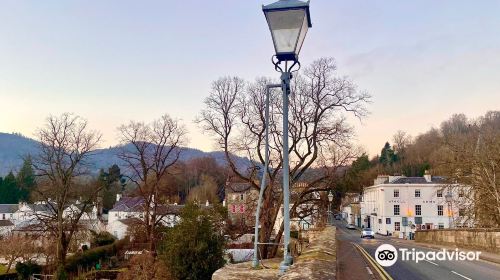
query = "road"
x=351 y=267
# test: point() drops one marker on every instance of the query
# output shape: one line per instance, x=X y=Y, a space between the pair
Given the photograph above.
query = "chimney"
x=118 y=197
x=207 y=203
x=428 y=176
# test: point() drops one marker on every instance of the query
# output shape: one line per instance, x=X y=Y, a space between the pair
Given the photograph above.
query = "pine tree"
x=26 y=180
x=9 y=191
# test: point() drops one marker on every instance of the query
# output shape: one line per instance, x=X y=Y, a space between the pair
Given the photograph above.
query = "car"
x=350 y=226
x=367 y=232
x=337 y=217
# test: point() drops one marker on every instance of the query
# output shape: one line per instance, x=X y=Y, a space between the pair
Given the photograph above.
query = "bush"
x=102 y=238
x=194 y=249
x=24 y=270
x=92 y=256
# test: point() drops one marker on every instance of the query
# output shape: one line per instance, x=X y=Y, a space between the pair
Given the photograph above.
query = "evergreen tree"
x=26 y=180
x=194 y=248
x=387 y=155
x=9 y=191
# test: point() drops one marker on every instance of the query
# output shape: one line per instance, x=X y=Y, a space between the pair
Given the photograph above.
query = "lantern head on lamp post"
x=330 y=196
x=288 y=22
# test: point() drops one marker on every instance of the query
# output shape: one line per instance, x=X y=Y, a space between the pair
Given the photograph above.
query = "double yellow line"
x=381 y=272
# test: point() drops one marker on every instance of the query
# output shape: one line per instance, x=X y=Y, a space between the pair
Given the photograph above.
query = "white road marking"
x=461 y=275
x=432 y=262
x=369 y=270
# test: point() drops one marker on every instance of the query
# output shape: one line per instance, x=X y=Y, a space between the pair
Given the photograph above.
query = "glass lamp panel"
x=303 y=32
x=285 y=28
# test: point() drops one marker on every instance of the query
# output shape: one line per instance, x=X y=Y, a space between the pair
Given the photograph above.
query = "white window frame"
x=395 y=193
x=398 y=208
x=442 y=210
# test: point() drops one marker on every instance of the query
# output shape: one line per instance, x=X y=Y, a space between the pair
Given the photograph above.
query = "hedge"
x=89 y=258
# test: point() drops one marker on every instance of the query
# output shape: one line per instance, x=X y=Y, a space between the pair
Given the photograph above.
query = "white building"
x=128 y=211
x=398 y=205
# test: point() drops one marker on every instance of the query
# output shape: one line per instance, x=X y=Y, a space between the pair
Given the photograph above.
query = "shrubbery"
x=24 y=270
x=194 y=249
x=92 y=256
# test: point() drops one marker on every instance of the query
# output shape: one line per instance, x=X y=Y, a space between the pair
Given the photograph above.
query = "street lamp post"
x=288 y=22
x=449 y=198
x=330 y=199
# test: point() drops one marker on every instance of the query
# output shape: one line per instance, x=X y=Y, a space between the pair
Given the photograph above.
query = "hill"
x=14 y=146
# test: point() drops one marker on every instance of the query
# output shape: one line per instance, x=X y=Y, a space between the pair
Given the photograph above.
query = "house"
x=129 y=211
x=350 y=208
x=399 y=205
x=7 y=211
x=6 y=227
x=241 y=201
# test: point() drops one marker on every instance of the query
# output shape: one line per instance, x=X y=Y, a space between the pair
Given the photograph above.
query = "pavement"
x=357 y=260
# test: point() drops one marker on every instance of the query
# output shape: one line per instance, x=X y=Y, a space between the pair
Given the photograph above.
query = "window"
x=3 y=216
x=233 y=208
x=241 y=196
x=396 y=210
x=417 y=193
x=418 y=220
x=440 y=193
x=388 y=221
x=440 y=226
x=11 y=216
x=397 y=226
x=396 y=193
x=418 y=210
x=440 y=210
x=461 y=193
x=379 y=221
x=461 y=212
x=242 y=208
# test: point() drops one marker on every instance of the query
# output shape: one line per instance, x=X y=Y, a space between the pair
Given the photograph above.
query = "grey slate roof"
x=418 y=180
x=6 y=223
x=8 y=208
x=239 y=187
x=128 y=204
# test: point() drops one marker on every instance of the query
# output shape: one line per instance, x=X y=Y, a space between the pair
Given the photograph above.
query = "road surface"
x=359 y=266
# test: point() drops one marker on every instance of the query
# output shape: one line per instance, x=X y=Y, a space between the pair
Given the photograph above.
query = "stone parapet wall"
x=477 y=239
x=317 y=261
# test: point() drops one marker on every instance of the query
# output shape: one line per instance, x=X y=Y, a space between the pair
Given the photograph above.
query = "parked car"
x=337 y=217
x=350 y=226
x=367 y=232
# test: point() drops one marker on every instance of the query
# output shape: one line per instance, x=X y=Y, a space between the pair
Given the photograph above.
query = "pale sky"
x=114 y=61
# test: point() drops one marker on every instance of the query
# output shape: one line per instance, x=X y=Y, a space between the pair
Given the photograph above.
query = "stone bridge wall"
x=317 y=261
x=477 y=239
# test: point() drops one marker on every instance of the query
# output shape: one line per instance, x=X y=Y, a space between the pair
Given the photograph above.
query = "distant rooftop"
x=418 y=180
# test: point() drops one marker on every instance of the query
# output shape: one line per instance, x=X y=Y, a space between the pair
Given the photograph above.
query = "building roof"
x=6 y=223
x=239 y=187
x=130 y=221
x=129 y=204
x=8 y=208
x=418 y=180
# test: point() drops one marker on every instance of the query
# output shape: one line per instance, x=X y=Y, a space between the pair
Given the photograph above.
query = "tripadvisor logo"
x=387 y=255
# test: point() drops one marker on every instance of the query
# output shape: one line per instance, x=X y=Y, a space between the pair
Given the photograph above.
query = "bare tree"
x=401 y=141
x=472 y=159
x=17 y=248
x=65 y=143
x=149 y=150
x=234 y=115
